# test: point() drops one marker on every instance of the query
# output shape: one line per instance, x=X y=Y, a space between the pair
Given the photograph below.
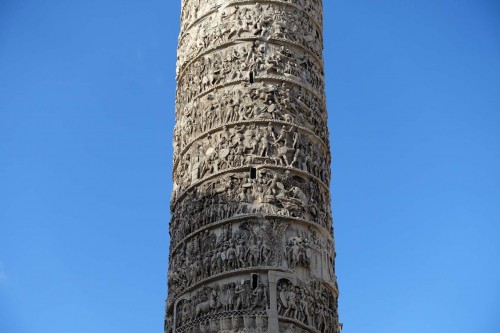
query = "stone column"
x=252 y=245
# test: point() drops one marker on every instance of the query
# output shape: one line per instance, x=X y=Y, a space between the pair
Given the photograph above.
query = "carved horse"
x=205 y=307
x=282 y=155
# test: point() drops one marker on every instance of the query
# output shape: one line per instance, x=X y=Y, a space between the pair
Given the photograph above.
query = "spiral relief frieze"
x=247 y=62
x=194 y=12
x=238 y=23
x=251 y=234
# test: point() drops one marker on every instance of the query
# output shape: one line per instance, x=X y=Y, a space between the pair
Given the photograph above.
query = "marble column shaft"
x=252 y=246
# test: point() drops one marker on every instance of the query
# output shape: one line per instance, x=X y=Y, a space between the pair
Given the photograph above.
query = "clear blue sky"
x=86 y=118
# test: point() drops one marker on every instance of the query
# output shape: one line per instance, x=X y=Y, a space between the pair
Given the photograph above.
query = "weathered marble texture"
x=252 y=246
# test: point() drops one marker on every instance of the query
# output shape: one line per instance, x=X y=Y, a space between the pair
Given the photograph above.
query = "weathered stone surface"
x=252 y=246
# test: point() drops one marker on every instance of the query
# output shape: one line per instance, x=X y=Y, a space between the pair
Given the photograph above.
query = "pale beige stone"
x=252 y=246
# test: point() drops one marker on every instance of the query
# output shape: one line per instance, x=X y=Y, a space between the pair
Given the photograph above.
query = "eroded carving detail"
x=193 y=11
x=250 y=21
x=265 y=102
x=251 y=144
x=308 y=304
x=269 y=192
x=233 y=247
x=246 y=62
x=238 y=305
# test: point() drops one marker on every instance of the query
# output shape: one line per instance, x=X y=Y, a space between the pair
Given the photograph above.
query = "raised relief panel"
x=239 y=245
x=194 y=12
x=247 y=21
x=309 y=252
x=251 y=144
x=248 y=63
x=261 y=104
x=235 y=304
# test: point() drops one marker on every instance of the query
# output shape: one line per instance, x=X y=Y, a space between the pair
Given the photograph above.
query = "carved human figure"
x=259 y=297
x=241 y=293
x=291 y=299
x=265 y=251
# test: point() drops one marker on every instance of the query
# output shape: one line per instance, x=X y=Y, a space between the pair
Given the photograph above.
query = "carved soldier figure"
x=253 y=253
x=241 y=252
x=231 y=257
x=291 y=299
x=240 y=293
x=259 y=297
x=265 y=251
x=304 y=307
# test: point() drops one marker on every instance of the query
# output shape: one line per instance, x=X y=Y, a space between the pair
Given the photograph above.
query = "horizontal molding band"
x=247 y=169
x=245 y=217
x=252 y=269
x=274 y=41
x=183 y=32
x=264 y=78
x=245 y=122
x=298 y=323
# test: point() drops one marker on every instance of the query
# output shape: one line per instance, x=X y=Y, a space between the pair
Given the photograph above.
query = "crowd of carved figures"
x=251 y=172
x=196 y=9
x=270 y=193
x=232 y=298
x=263 y=102
x=250 y=244
x=248 y=62
x=304 y=246
x=206 y=254
x=309 y=303
x=266 y=22
x=250 y=144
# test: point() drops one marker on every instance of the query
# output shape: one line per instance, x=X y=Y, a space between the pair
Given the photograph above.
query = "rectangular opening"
x=255 y=280
x=253 y=173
